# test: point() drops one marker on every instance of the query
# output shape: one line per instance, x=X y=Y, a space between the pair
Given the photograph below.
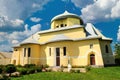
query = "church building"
x=69 y=40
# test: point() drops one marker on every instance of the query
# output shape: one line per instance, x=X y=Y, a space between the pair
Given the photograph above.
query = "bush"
x=29 y=65
x=23 y=71
x=77 y=71
x=5 y=77
x=2 y=66
x=1 y=70
x=38 y=69
x=31 y=71
x=10 y=68
x=75 y=66
x=88 y=68
x=45 y=66
x=72 y=71
x=19 y=65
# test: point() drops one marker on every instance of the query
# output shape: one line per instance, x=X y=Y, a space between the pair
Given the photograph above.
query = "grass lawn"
x=108 y=73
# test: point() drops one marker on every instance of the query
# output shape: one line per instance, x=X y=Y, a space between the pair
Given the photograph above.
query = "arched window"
x=106 y=49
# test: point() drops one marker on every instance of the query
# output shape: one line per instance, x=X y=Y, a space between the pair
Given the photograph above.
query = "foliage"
x=10 y=68
x=1 y=70
x=117 y=53
x=88 y=68
x=75 y=71
x=23 y=71
x=45 y=66
x=75 y=66
x=19 y=65
x=29 y=65
x=72 y=70
x=4 y=77
x=31 y=70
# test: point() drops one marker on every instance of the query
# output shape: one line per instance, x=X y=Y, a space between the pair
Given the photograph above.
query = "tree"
x=117 y=53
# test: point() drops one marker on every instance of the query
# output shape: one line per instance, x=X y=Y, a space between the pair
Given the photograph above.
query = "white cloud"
x=7 y=40
x=35 y=5
x=17 y=22
x=35 y=19
x=99 y=10
x=115 y=12
x=82 y=3
x=20 y=8
x=14 y=12
x=118 y=34
x=15 y=41
x=12 y=16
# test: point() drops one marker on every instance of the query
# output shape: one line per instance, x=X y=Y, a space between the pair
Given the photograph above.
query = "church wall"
x=72 y=33
x=16 y=55
x=77 y=52
x=107 y=56
x=67 y=21
x=19 y=58
x=34 y=54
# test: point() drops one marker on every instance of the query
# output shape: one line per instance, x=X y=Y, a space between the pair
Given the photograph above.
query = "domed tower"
x=65 y=19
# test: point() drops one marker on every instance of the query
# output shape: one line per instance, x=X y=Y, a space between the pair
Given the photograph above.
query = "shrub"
x=2 y=66
x=31 y=71
x=19 y=65
x=5 y=77
x=88 y=68
x=10 y=68
x=75 y=66
x=29 y=65
x=38 y=69
x=45 y=66
x=22 y=71
x=49 y=70
x=72 y=71
x=77 y=71
x=1 y=70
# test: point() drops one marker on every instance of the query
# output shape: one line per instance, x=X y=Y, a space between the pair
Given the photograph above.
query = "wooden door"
x=57 y=56
x=92 y=59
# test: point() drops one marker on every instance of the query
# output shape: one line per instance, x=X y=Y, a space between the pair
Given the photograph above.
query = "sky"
x=21 y=18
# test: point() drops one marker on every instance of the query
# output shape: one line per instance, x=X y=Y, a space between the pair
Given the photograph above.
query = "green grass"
x=108 y=73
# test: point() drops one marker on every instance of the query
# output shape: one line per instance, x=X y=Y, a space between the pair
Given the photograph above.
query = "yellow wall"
x=67 y=21
x=16 y=55
x=72 y=33
x=77 y=51
x=34 y=56
x=19 y=55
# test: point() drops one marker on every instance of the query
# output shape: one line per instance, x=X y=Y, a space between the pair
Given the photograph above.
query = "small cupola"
x=65 y=19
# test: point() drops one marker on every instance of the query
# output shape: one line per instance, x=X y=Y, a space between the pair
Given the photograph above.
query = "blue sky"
x=21 y=18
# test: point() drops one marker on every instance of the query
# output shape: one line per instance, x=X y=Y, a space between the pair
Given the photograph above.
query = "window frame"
x=64 y=51
x=24 y=52
x=29 y=52
x=106 y=49
x=49 y=51
x=91 y=46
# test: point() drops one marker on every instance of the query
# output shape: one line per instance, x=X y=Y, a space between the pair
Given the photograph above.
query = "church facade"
x=68 y=40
